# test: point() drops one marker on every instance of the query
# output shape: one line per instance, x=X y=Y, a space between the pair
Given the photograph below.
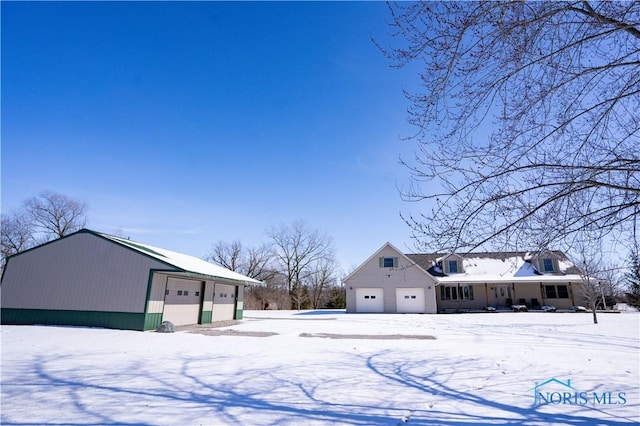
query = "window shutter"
x=395 y=262
x=381 y=262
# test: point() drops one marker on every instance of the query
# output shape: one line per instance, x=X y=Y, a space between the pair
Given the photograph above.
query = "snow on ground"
x=479 y=369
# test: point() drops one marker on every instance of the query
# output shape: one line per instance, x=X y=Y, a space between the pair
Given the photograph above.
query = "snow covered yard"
x=479 y=369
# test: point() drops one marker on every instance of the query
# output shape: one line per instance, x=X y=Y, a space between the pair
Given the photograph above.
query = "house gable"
x=389 y=281
x=388 y=251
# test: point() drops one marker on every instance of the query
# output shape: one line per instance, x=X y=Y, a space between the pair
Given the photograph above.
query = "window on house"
x=550 y=291
x=456 y=293
x=179 y=292
x=563 y=292
x=197 y=293
x=388 y=262
x=547 y=265
x=453 y=266
x=186 y=293
x=166 y=292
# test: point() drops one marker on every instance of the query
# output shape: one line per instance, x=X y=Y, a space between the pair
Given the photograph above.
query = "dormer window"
x=547 y=265
x=452 y=266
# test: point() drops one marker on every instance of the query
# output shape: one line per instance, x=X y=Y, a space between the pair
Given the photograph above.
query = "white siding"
x=78 y=272
x=156 y=299
x=405 y=275
x=207 y=304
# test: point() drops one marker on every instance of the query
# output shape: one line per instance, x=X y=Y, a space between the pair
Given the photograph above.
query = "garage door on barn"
x=369 y=300
x=224 y=302
x=410 y=300
x=182 y=301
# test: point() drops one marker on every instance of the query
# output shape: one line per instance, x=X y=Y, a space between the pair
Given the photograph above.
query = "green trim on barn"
x=206 y=317
x=118 y=320
x=238 y=314
x=152 y=321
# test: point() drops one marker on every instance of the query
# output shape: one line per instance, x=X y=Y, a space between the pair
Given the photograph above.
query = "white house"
x=94 y=279
x=393 y=282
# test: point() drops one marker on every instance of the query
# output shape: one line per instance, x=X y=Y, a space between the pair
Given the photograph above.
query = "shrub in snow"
x=578 y=309
x=490 y=309
x=166 y=327
x=547 y=308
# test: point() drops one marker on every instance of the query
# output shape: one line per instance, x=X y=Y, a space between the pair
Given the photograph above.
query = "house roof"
x=183 y=262
x=510 y=266
x=488 y=267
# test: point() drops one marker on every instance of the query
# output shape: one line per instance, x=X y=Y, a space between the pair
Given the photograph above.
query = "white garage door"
x=182 y=301
x=410 y=300
x=369 y=300
x=224 y=302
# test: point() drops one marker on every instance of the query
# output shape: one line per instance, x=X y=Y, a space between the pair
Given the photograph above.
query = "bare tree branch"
x=527 y=126
x=55 y=215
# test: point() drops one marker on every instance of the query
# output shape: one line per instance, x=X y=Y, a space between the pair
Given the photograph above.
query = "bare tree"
x=599 y=280
x=254 y=262
x=54 y=215
x=227 y=255
x=321 y=279
x=527 y=123
x=17 y=235
x=298 y=250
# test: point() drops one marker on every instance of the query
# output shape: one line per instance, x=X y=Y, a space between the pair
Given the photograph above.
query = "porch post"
x=486 y=294
x=573 y=302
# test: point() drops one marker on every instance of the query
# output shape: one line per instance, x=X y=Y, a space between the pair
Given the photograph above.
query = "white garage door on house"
x=182 y=301
x=410 y=300
x=224 y=302
x=369 y=300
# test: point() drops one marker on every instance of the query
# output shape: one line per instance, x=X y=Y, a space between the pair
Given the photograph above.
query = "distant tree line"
x=297 y=265
x=40 y=219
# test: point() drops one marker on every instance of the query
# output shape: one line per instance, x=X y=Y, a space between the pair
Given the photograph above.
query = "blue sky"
x=182 y=124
